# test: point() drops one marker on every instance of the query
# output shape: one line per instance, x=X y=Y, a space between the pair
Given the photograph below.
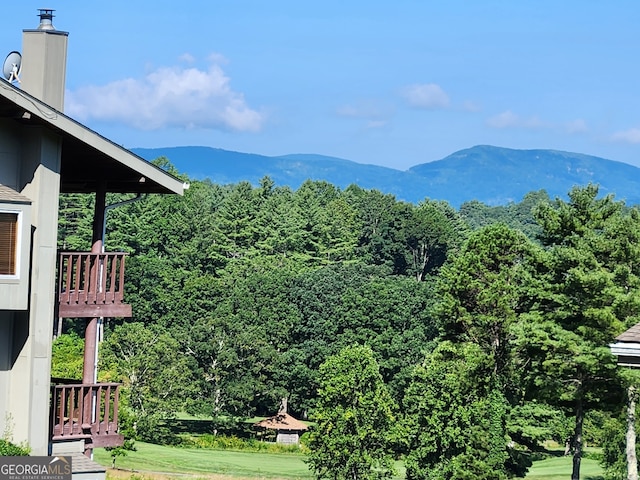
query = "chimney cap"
x=46 y=19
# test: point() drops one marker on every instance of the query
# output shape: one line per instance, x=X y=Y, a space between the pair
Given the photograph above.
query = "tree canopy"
x=355 y=419
x=488 y=326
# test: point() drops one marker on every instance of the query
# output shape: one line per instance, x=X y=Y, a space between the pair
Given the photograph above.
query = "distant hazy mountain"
x=493 y=175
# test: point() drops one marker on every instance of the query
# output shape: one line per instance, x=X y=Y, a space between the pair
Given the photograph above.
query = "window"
x=8 y=244
x=15 y=247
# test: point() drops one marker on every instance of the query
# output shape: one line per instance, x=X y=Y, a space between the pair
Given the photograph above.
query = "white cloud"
x=368 y=109
x=429 y=96
x=627 y=136
x=217 y=58
x=576 y=126
x=187 y=58
x=376 y=114
x=508 y=119
x=168 y=97
x=376 y=124
x=351 y=111
x=503 y=120
x=470 y=106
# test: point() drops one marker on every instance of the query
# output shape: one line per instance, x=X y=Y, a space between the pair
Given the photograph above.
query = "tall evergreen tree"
x=590 y=296
x=483 y=293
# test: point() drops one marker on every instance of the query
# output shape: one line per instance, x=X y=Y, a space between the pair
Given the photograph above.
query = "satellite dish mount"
x=12 y=67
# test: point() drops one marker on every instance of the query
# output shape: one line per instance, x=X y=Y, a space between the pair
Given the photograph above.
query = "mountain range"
x=492 y=175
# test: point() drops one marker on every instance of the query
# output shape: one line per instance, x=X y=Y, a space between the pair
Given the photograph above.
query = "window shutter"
x=8 y=243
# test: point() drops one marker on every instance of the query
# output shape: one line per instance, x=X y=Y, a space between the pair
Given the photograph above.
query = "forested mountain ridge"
x=491 y=175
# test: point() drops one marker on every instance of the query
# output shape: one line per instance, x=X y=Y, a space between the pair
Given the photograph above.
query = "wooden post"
x=92 y=325
x=91 y=332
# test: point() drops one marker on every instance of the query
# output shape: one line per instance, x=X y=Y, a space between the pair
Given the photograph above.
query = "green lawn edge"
x=151 y=459
x=199 y=461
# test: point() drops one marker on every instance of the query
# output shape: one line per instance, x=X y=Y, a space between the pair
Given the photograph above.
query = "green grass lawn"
x=559 y=468
x=150 y=459
x=158 y=458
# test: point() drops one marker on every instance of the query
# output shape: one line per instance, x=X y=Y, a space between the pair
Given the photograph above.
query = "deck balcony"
x=86 y=412
x=91 y=285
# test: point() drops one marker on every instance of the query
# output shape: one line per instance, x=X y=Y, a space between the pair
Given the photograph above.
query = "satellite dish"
x=12 y=66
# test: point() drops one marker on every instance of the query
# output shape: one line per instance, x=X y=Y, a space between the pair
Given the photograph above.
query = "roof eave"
x=67 y=126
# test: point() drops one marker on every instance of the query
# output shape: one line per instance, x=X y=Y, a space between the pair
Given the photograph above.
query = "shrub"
x=153 y=428
x=8 y=449
x=223 y=442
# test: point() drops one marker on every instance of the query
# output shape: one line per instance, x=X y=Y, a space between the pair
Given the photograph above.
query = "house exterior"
x=44 y=153
x=627 y=347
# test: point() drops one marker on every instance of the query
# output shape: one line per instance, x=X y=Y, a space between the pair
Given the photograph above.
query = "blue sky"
x=388 y=83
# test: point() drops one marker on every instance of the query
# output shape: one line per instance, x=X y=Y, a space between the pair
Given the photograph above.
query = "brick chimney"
x=44 y=61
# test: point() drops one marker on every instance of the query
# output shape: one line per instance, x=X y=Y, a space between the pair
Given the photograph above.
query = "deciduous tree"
x=449 y=412
x=148 y=361
x=355 y=419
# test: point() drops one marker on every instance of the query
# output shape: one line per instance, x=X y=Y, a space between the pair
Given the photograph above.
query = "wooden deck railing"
x=88 y=412
x=91 y=285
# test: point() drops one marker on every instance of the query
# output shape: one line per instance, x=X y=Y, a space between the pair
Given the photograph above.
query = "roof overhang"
x=89 y=160
x=628 y=353
x=282 y=422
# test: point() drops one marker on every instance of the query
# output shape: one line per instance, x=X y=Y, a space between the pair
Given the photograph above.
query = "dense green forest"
x=489 y=326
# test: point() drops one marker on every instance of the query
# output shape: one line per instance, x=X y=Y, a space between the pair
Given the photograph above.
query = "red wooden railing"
x=86 y=411
x=91 y=285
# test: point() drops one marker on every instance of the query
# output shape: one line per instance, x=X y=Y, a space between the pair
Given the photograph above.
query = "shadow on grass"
x=196 y=426
x=201 y=426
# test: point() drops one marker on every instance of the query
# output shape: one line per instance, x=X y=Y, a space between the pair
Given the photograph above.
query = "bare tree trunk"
x=577 y=440
x=567 y=446
x=632 y=461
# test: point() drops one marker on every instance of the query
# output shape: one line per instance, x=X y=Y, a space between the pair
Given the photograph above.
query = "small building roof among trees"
x=632 y=335
x=282 y=421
